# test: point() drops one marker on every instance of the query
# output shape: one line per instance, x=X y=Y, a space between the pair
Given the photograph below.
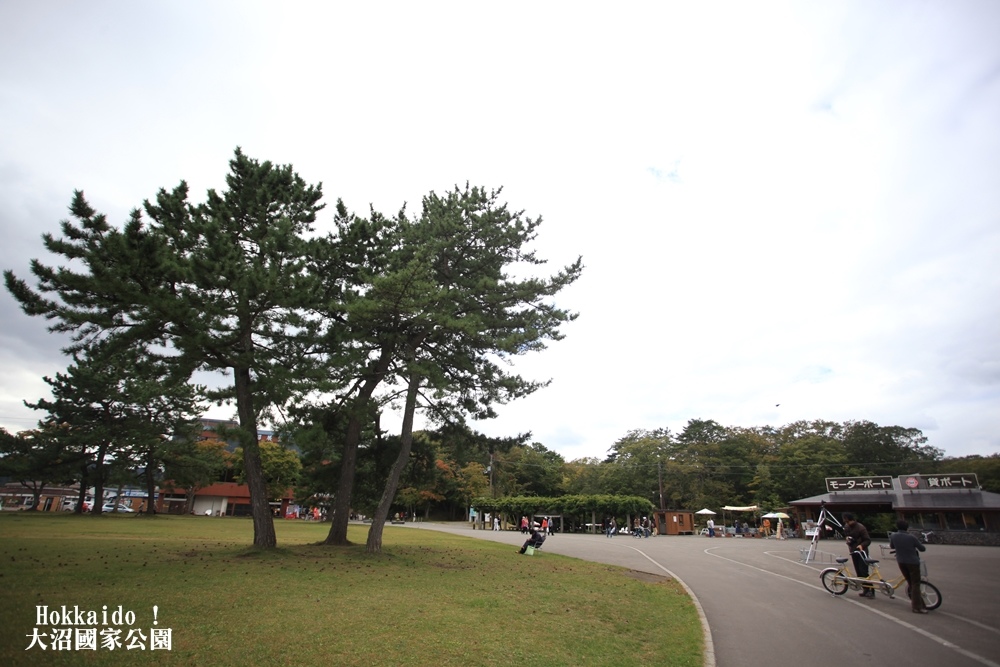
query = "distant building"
x=951 y=505
x=54 y=498
x=225 y=497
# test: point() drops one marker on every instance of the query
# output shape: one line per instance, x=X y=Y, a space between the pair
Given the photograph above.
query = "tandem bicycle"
x=838 y=580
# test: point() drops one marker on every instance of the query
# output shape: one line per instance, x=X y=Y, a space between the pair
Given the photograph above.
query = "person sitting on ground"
x=535 y=541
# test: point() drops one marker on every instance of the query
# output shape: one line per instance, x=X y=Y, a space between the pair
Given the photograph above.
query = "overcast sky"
x=786 y=210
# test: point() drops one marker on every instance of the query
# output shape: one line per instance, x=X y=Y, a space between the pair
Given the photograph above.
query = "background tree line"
x=704 y=465
x=453 y=467
x=710 y=465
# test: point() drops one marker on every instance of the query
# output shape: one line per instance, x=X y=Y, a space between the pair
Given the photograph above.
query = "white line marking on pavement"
x=706 y=630
x=981 y=626
x=930 y=635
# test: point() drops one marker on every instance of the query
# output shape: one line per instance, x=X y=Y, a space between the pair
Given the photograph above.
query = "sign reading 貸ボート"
x=944 y=481
x=872 y=483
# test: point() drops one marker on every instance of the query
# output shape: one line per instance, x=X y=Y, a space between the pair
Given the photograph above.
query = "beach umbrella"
x=779 y=529
x=705 y=511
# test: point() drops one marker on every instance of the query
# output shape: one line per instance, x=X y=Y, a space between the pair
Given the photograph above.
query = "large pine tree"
x=456 y=313
x=224 y=285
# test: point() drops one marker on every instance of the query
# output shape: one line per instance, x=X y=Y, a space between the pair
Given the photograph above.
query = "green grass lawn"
x=430 y=598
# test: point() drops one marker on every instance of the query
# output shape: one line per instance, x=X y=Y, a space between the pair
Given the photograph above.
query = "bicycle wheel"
x=834 y=581
x=930 y=593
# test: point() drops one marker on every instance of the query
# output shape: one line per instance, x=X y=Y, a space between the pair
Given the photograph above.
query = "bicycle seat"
x=870 y=561
x=842 y=560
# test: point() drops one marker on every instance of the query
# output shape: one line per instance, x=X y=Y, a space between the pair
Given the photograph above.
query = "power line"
x=721 y=466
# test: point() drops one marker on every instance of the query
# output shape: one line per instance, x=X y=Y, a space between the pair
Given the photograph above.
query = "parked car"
x=70 y=504
x=110 y=507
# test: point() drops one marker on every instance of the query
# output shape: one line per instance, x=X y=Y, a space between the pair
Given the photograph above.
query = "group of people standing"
x=745 y=529
x=526 y=527
x=639 y=527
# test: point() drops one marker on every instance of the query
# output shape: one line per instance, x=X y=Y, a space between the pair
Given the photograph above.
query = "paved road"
x=762 y=606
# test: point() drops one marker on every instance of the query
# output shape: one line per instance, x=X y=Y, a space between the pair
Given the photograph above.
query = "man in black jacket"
x=857 y=544
x=908 y=549
x=535 y=541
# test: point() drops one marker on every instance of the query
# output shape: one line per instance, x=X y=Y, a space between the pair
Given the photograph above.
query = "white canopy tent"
x=732 y=508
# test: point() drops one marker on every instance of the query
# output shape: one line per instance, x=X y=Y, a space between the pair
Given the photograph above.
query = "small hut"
x=674 y=522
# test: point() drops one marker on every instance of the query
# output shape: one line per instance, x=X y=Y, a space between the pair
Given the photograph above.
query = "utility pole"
x=493 y=493
x=659 y=473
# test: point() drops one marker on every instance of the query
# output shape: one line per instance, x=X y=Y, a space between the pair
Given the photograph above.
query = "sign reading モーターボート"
x=947 y=481
x=873 y=483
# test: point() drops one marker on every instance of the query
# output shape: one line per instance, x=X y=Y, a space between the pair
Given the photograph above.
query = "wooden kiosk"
x=674 y=522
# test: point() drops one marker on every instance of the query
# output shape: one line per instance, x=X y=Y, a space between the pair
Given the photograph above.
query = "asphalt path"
x=761 y=605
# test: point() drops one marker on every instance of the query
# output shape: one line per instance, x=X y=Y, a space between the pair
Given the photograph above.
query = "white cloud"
x=787 y=203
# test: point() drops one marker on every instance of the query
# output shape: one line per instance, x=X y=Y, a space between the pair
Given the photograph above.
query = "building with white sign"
x=953 y=506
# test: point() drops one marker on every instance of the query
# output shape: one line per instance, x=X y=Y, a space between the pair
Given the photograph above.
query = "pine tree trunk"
x=263 y=521
x=342 y=500
x=82 y=498
x=150 y=484
x=374 y=544
x=98 y=507
x=349 y=457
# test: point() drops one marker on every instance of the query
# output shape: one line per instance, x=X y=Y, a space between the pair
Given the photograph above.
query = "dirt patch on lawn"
x=646 y=577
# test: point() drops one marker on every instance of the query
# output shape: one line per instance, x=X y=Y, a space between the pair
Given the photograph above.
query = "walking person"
x=857 y=544
x=612 y=526
x=908 y=548
x=711 y=528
